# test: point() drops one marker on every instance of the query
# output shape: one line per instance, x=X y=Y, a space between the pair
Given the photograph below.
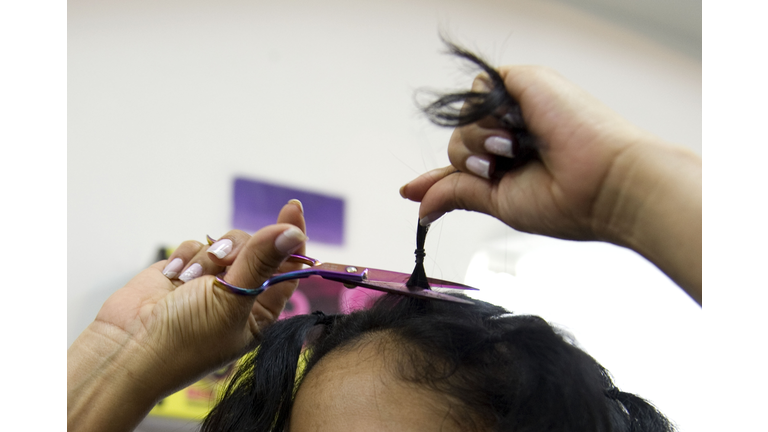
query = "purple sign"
x=257 y=204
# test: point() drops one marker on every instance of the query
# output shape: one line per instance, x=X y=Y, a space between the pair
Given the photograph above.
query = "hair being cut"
x=508 y=372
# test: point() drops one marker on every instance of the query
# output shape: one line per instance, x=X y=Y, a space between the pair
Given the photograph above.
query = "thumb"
x=445 y=189
x=259 y=259
x=262 y=255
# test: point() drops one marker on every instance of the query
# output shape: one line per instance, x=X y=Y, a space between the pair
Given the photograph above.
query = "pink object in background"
x=298 y=304
x=357 y=298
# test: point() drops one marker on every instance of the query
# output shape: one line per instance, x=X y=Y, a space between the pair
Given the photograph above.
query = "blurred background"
x=170 y=102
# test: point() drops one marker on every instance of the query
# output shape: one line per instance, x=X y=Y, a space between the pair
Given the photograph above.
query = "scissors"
x=352 y=277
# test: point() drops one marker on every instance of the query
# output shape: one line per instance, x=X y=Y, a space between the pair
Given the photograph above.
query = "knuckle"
x=543 y=71
x=237 y=234
x=457 y=198
x=262 y=265
x=190 y=246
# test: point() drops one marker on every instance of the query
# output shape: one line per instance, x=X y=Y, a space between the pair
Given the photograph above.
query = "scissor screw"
x=351 y=269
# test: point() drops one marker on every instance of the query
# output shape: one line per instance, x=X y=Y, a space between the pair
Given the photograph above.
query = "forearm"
x=105 y=386
x=657 y=210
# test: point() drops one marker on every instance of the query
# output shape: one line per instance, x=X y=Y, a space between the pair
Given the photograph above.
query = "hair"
x=454 y=109
x=507 y=372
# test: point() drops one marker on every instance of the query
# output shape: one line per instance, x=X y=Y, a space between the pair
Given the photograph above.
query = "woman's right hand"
x=172 y=323
x=598 y=177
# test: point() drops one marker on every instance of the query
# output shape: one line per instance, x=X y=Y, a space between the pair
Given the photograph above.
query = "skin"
x=354 y=389
x=156 y=335
x=599 y=178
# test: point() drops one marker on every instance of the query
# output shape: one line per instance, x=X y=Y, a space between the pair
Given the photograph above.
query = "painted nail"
x=194 y=271
x=499 y=146
x=428 y=219
x=298 y=203
x=172 y=269
x=479 y=166
x=290 y=240
x=210 y=239
x=221 y=248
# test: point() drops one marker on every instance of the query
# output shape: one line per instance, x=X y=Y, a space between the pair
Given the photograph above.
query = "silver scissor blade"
x=439 y=283
x=400 y=288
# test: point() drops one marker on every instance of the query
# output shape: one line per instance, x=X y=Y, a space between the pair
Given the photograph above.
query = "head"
x=413 y=364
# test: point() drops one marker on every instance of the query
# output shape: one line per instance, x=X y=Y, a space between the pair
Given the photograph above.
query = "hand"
x=160 y=334
x=565 y=194
x=598 y=177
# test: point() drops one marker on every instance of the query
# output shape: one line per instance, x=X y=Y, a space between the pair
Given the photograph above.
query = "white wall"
x=168 y=101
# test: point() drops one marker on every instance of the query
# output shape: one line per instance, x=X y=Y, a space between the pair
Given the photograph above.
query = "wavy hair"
x=508 y=372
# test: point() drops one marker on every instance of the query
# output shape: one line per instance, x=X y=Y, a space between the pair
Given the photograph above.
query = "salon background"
x=170 y=103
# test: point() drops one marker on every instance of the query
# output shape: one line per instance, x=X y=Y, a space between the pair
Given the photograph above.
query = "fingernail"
x=499 y=146
x=221 y=248
x=194 y=271
x=298 y=203
x=210 y=239
x=290 y=240
x=172 y=269
x=428 y=219
x=402 y=190
x=479 y=166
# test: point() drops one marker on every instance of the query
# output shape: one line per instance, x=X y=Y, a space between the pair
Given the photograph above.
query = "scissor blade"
x=376 y=275
x=400 y=288
x=439 y=283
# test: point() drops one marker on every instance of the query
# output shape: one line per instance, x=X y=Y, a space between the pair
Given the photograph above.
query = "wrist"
x=109 y=381
x=654 y=192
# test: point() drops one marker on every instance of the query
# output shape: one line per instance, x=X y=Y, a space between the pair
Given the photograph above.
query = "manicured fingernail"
x=210 y=239
x=194 y=271
x=290 y=240
x=298 y=203
x=221 y=248
x=428 y=219
x=402 y=190
x=479 y=166
x=499 y=146
x=172 y=269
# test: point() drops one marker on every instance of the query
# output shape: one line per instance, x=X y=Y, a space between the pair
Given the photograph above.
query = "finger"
x=256 y=262
x=416 y=188
x=482 y=83
x=478 y=139
x=200 y=265
x=293 y=213
x=452 y=192
x=479 y=164
x=263 y=254
x=501 y=199
x=180 y=258
x=224 y=250
x=445 y=189
x=271 y=302
x=473 y=148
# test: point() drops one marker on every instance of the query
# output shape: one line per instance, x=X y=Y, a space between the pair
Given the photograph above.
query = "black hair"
x=508 y=372
x=461 y=108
